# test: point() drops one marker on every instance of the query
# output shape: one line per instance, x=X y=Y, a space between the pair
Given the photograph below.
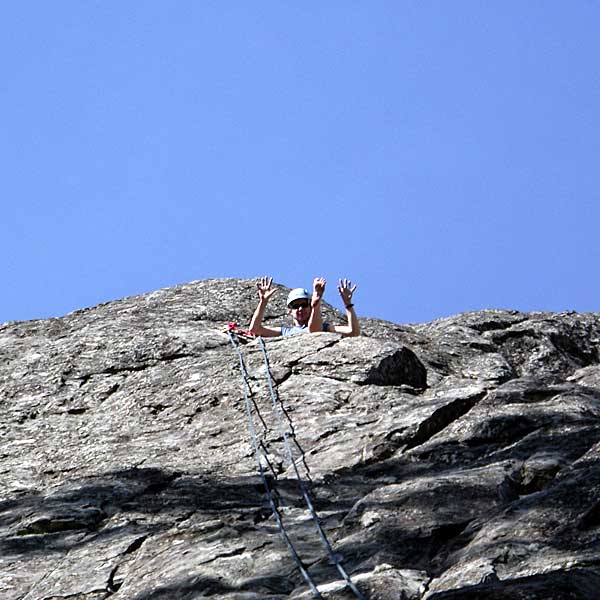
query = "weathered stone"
x=452 y=459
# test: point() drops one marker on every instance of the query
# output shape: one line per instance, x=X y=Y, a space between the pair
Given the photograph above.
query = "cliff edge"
x=456 y=459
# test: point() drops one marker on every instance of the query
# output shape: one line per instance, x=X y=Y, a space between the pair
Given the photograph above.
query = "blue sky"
x=444 y=155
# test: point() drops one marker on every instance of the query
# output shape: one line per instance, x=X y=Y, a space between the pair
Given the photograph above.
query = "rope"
x=276 y=404
x=257 y=454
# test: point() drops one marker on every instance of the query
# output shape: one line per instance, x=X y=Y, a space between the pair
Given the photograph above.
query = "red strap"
x=233 y=327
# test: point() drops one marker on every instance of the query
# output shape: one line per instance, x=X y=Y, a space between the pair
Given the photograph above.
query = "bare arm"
x=315 y=321
x=265 y=291
x=352 y=329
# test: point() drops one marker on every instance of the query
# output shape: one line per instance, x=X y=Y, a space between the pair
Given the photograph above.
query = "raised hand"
x=318 y=288
x=346 y=289
x=265 y=291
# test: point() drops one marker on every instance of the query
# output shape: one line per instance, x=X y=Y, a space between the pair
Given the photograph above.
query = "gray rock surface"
x=456 y=459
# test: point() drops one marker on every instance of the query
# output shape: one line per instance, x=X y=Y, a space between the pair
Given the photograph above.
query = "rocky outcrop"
x=456 y=459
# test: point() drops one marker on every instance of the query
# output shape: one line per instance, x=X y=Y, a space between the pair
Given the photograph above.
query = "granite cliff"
x=456 y=459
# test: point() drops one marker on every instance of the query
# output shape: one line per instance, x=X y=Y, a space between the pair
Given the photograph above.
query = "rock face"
x=451 y=460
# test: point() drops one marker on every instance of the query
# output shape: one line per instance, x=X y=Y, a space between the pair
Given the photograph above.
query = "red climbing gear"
x=243 y=334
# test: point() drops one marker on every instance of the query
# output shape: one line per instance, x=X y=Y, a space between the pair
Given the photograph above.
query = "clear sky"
x=444 y=155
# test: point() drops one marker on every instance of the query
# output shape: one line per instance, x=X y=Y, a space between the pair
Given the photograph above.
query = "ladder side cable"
x=276 y=404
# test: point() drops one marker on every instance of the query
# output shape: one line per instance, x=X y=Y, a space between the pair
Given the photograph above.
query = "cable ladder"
x=260 y=451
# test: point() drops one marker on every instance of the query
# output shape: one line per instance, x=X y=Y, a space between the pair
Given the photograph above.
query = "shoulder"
x=287 y=331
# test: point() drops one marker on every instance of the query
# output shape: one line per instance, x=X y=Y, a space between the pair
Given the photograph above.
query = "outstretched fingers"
x=346 y=284
x=318 y=288
x=264 y=283
x=264 y=287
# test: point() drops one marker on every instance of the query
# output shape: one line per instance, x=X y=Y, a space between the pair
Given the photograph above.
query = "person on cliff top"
x=305 y=310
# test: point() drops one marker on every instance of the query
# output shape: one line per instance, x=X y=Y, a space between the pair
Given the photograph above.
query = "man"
x=305 y=310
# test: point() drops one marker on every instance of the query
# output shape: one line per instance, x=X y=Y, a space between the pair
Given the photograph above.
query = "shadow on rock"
x=156 y=498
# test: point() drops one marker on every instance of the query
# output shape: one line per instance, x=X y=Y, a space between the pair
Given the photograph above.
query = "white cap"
x=297 y=294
